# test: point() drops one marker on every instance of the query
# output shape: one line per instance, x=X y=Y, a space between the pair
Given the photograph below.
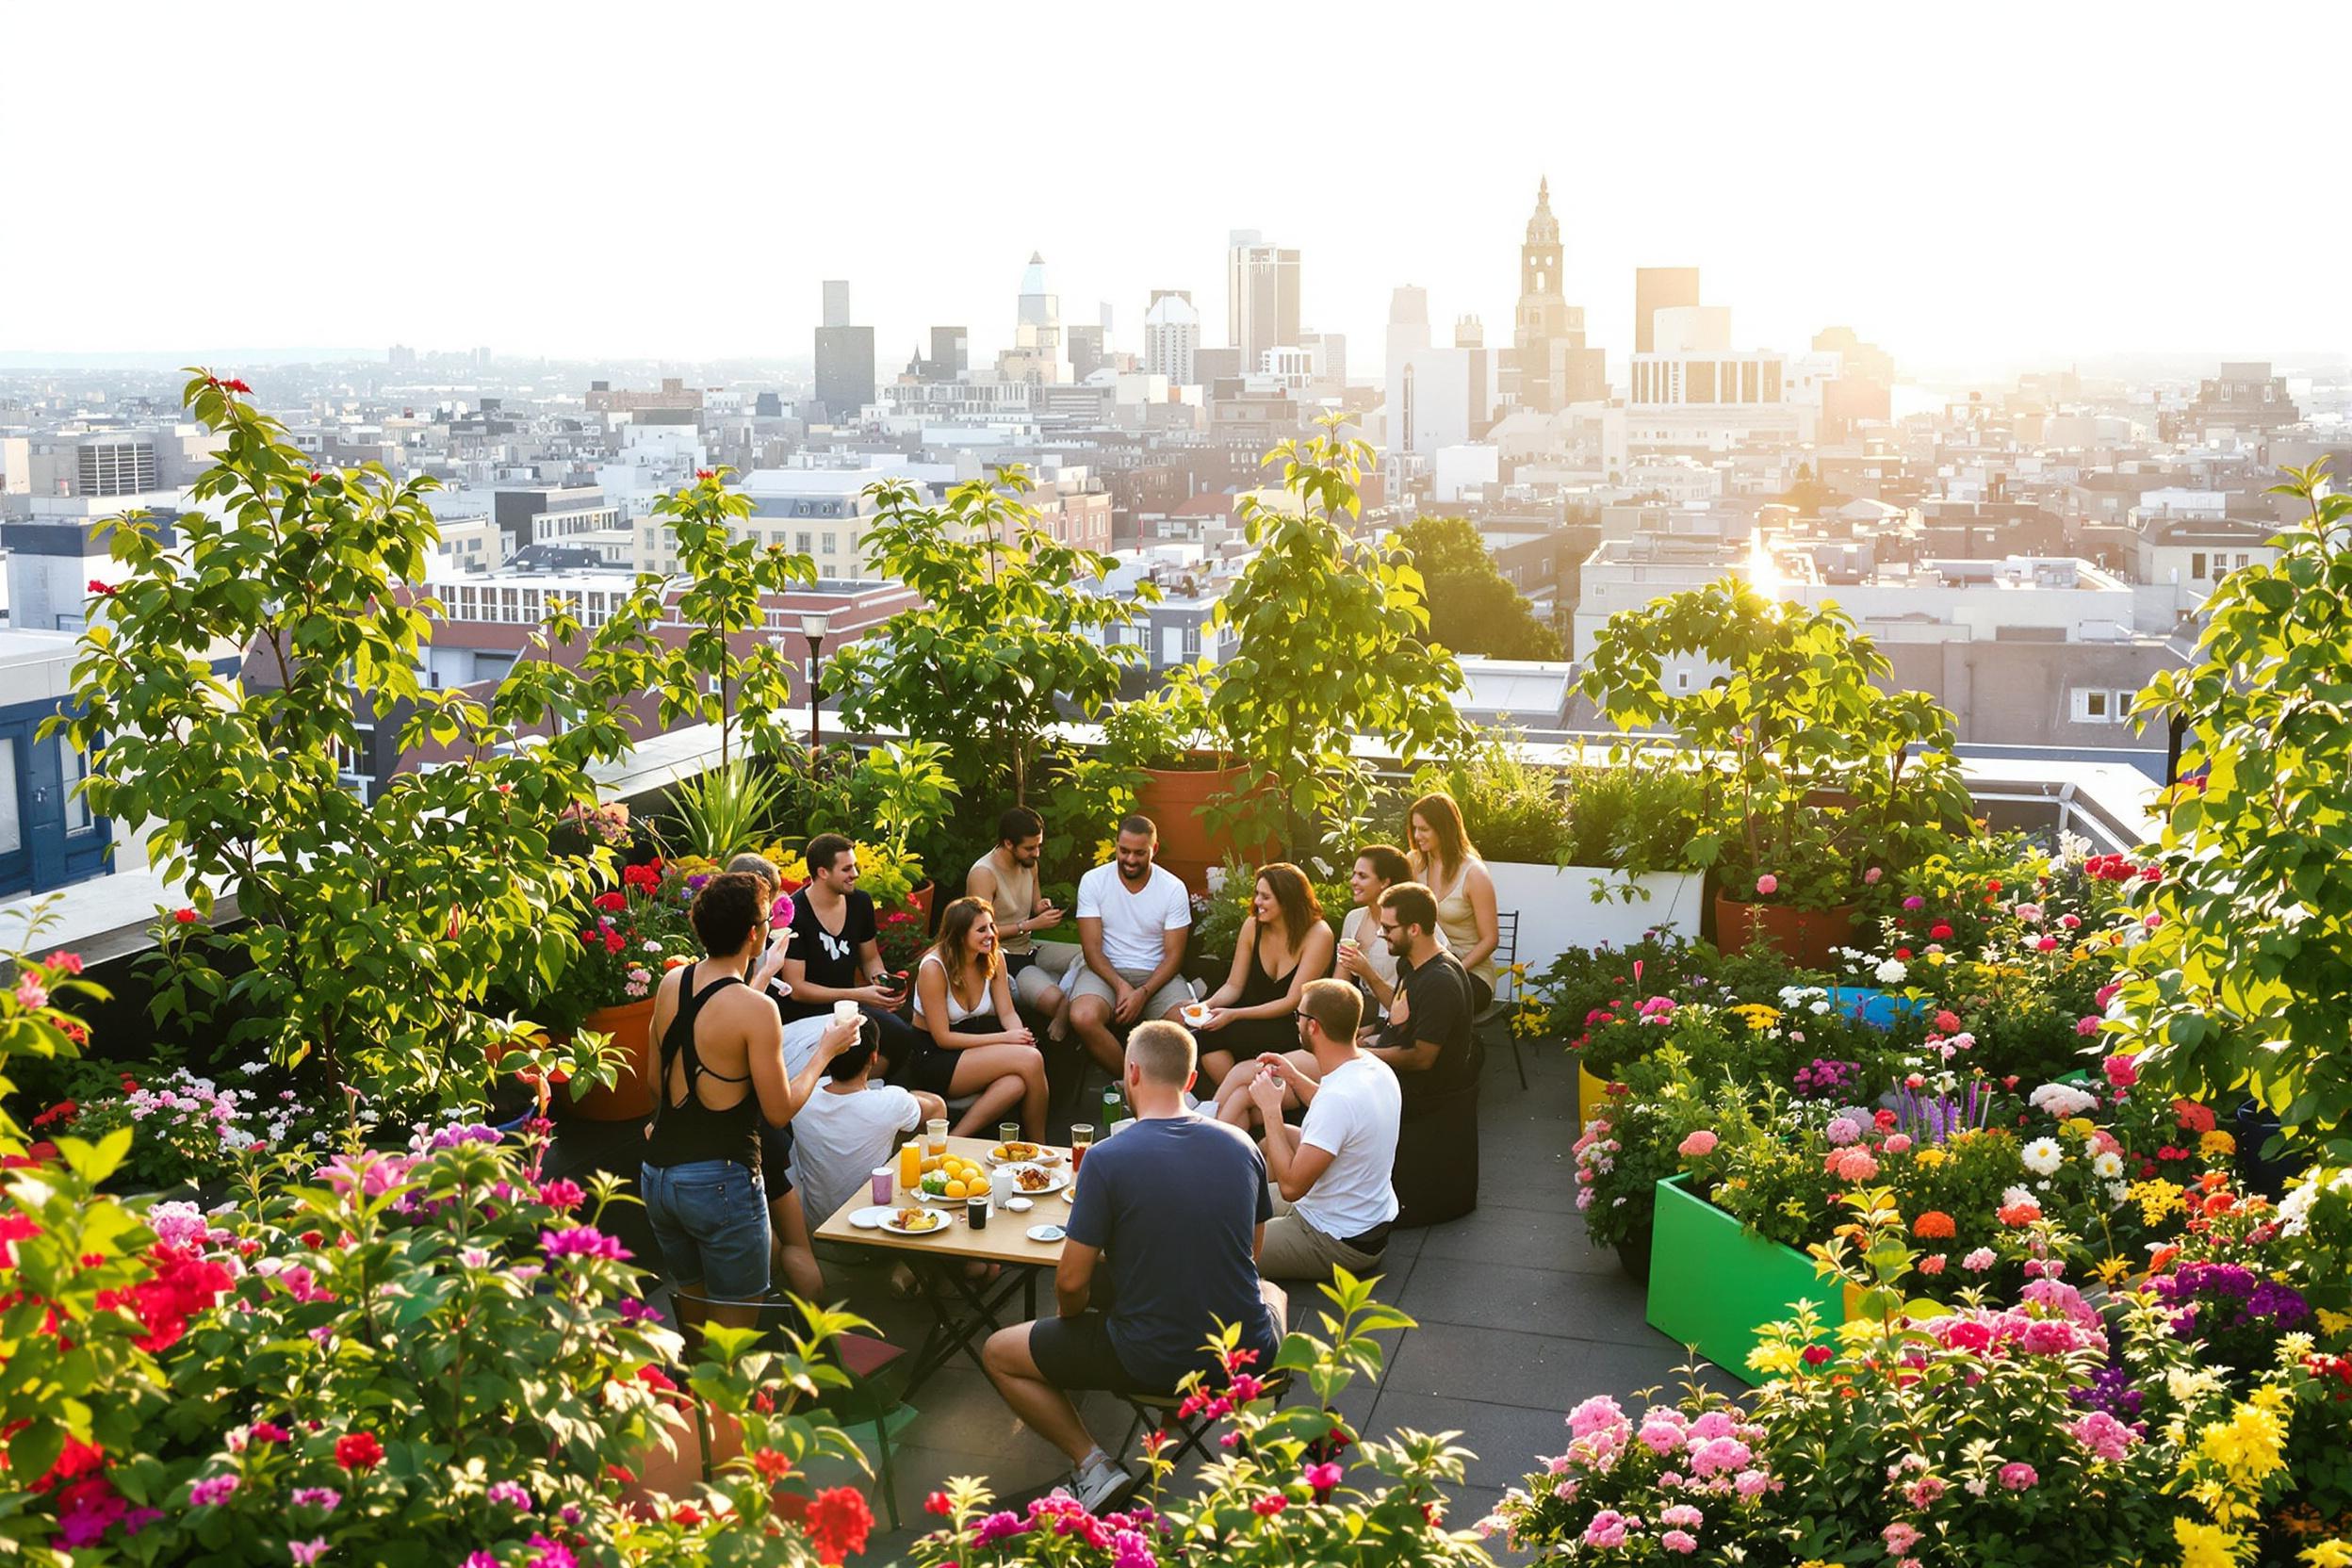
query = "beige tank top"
x=1459 y=922
x=1016 y=896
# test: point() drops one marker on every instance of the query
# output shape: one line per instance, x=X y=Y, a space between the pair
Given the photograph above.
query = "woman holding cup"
x=962 y=998
x=1282 y=945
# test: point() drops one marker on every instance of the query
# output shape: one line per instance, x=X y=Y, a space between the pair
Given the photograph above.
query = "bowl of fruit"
x=954 y=1177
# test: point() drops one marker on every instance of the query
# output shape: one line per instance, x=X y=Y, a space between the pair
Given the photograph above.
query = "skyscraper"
x=950 y=354
x=844 y=358
x=1260 y=297
x=1549 y=367
x=1171 y=335
x=1656 y=288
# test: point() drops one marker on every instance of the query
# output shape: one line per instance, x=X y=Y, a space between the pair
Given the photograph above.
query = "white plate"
x=890 y=1221
x=1010 y=1175
x=871 y=1216
x=1047 y=1234
x=1018 y=1205
x=1043 y=1157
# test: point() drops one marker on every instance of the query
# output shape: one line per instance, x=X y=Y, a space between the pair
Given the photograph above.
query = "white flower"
x=1891 y=971
x=2043 y=1156
x=2295 y=1210
x=2118 y=1191
x=2107 y=1166
x=2014 y=1195
x=2063 y=1099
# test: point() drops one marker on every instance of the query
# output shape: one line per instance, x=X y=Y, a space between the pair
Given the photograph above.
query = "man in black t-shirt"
x=1163 y=1246
x=835 y=953
x=1432 y=1035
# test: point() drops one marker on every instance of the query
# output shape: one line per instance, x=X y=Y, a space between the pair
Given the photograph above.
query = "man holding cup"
x=836 y=952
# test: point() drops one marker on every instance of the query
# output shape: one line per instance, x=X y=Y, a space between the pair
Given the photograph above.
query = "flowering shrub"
x=628 y=937
x=429 y=1357
x=1292 y=1485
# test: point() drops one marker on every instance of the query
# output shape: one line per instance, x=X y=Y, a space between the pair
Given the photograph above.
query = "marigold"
x=1935 y=1225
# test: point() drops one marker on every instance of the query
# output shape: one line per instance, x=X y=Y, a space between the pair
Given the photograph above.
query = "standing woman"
x=715 y=1049
x=963 y=995
x=1444 y=861
x=1284 y=945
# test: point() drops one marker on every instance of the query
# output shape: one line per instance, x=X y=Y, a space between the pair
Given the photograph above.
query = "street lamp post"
x=813 y=625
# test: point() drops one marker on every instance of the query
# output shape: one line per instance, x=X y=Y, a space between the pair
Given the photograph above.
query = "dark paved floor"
x=1518 y=1319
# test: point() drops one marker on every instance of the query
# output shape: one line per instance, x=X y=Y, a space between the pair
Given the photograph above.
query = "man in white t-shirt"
x=1132 y=918
x=1333 y=1202
x=845 y=1130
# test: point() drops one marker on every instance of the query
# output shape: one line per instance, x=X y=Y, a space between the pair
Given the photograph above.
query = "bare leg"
x=1056 y=1005
x=795 y=1254
x=1091 y=1017
x=1001 y=1076
x=1046 y=1410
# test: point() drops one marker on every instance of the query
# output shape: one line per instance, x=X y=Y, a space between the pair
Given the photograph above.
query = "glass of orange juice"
x=911 y=1166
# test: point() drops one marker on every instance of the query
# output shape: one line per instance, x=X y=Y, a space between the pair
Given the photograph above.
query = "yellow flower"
x=2328 y=1554
x=1930 y=1156
x=2250 y=1445
x=2079 y=1126
x=2156 y=1200
x=2217 y=1145
x=1773 y=1361
x=2111 y=1269
x=2334 y=1322
x=2206 y=1546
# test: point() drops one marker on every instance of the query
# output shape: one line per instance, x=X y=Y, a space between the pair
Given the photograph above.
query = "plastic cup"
x=976 y=1212
x=935 y=1137
x=844 y=1011
x=1008 y=1132
x=884 y=1177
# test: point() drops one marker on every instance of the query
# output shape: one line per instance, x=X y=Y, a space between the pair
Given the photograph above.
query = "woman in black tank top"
x=718 y=1072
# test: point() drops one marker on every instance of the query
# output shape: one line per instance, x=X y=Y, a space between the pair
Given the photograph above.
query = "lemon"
x=976 y=1186
x=955 y=1189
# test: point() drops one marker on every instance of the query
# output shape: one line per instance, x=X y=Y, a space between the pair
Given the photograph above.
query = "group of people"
x=771 y=1106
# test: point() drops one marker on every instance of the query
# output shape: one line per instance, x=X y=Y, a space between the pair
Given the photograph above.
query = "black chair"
x=1436 y=1174
x=1507 y=994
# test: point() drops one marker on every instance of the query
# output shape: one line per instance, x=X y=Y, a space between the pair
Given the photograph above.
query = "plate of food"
x=914 y=1221
x=1032 y=1181
x=1023 y=1153
x=871 y=1216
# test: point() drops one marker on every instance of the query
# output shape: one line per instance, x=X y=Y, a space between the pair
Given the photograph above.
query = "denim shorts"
x=711 y=1217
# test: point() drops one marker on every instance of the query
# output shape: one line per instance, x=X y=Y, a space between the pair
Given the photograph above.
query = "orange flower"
x=1935 y=1225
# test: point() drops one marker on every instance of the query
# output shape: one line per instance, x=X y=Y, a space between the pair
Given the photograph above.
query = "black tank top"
x=1262 y=987
x=689 y=1129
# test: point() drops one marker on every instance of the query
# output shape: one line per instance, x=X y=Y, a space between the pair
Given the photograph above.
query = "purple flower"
x=324 y=1497
x=453 y=1135
x=635 y=1311
x=998 y=1527
x=212 y=1490
x=511 y=1494
x=551 y=1554
x=308 y=1552
x=582 y=1241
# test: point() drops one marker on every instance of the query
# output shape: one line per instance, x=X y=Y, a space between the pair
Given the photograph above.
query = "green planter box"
x=1713 y=1285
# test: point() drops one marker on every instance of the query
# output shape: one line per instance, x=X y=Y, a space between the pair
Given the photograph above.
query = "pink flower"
x=2088 y=1025
x=1978 y=1261
x=2106 y=994
x=1322 y=1479
x=1607 y=1529
x=2123 y=1069
x=2045 y=944
x=1900 y=1537
x=2103 y=1435
x=1678 y=1541
x=1932 y=1264
x=1682 y=1516
x=1898 y=1143
x=306 y=1552
x=1698 y=1144
x=1870 y=877
x=1915 y=902
x=31 y=992
x=2018 y=1476
x=2071 y=923
x=1767 y=885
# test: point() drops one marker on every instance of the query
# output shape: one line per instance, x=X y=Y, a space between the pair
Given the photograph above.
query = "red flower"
x=1993 y=886
x=1904 y=953
x=1933 y=1225
x=64 y=1110
x=358 y=1451
x=839 y=1521
x=236 y=386
x=1940 y=931
x=687 y=1515
x=316 y=476
x=773 y=1466
x=1817 y=1355
x=611 y=903
x=104 y=590
x=1947 y=1021
x=706 y=473
x=938 y=1503
x=613 y=943
x=1269 y=1505
x=184 y=917
x=655 y=1379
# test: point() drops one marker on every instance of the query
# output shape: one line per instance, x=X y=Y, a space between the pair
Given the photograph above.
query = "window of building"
x=73 y=767
x=2240 y=561
x=2196 y=566
x=11 y=833
x=2100 y=705
x=803 y=541
x=829 y=539
x=1171 y=645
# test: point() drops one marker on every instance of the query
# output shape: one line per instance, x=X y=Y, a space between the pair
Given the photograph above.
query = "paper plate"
x=1046 y=1232
x=872 y=1217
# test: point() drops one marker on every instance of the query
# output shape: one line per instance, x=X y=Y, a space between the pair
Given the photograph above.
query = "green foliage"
x=1808 y=772
x=721 y=813
x=2244 y=985
x=372 y=929
x=892 y=802
x=1334 y=642
x=1171 y=728
x=1008 y=627
x=1637 y=815
x=1472 y=609
x=729 y=672
x=1511 y=808
x=1290 y=1487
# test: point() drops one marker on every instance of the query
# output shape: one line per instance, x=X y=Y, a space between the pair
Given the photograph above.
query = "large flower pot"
x=1592 y=1093
x=1188 y=848
x=920 y=900
x=1634 y=1255
x=629 y=1097
x=1713 y=1284
x=1558 y=910
x=1803 y=937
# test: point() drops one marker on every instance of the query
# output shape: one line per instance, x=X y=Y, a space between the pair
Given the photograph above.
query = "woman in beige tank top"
x=1447 y=864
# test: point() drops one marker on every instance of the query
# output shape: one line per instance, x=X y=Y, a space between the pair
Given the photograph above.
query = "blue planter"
x=1874 y=1006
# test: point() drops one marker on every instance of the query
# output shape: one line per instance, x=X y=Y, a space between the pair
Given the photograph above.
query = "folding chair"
x=871 y=1399
x=1507 y=989
x=1165 y=1411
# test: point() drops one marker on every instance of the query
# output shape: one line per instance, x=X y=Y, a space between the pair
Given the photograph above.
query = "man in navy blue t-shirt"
x=1161 y=1253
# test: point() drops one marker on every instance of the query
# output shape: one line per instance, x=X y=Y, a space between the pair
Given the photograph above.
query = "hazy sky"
x=1967 y=185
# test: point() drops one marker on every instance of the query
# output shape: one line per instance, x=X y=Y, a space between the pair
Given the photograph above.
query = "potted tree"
x=1169 y=742
x=886 y=802
x=1814 y=784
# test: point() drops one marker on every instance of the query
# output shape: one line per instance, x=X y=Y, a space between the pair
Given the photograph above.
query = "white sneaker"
x=1097 y=1489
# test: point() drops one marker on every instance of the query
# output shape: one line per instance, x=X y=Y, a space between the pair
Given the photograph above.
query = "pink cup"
x=885 y=1181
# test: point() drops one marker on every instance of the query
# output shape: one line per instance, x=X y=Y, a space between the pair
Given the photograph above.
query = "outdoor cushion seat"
x=1436 y=1175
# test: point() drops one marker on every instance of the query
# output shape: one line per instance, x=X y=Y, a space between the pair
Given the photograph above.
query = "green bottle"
x=1113 y=1107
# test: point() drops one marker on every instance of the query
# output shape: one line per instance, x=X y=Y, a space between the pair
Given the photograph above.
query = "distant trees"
x=1472 y=608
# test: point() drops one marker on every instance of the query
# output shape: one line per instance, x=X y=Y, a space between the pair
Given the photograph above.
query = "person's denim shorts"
x=711 y=1217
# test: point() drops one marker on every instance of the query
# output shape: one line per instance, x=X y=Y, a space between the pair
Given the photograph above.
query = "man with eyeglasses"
x=1334 y=1203
x=1430 y=1039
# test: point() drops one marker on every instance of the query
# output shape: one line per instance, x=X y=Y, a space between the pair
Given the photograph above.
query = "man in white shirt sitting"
x=1132 y=918
x=845 y=1130
x=1334 y=1203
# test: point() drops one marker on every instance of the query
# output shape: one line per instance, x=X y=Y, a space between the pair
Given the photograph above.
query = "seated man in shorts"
x=1006 y=877
x=1161 y=1254
x=1132 y=920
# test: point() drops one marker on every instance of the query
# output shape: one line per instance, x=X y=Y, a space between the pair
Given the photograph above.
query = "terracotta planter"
x=1174 y=801
x=1803 y=937
x=920 y=902
x=629 y=1097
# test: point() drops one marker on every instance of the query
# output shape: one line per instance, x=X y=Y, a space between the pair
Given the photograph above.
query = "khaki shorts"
x=1052 y=963
x=1163 y=1001
x=1295 y=1249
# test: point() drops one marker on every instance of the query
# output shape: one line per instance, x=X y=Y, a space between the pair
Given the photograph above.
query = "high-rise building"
x=1261 y=296
x=950 y=354
x=1408 y=321
x=1087 y=349
x=1656 y=288
x=1037 y=318
x=1328 y=354
x=1548 y=366
x=1171 y=335
x=844 y=358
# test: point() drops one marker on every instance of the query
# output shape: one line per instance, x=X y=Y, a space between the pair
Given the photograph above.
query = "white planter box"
x=1557 y=911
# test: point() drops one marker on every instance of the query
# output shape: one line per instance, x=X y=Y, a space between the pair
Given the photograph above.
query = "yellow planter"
x=1591 y=1093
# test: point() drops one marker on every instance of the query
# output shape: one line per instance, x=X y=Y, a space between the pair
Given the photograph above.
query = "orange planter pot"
x=1174 y=801
x=629 y=1097
x=920 y=901
x=1803 y=937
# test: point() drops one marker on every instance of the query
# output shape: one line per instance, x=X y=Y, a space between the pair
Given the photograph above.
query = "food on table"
x=1030 y=1179
x=1009 y=1152
x=915 y=1220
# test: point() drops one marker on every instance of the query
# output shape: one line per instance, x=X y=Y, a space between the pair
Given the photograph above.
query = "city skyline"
x=1967 y=237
